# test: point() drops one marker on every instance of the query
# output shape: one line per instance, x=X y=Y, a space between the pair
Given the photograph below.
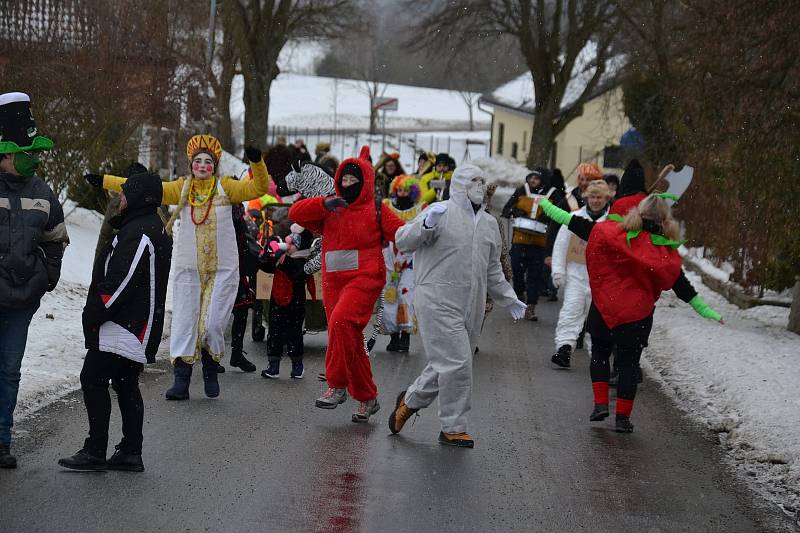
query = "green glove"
x=556 y=214
x=703 y=309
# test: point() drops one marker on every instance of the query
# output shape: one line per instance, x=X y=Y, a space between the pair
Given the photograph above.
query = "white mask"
x=476 y=192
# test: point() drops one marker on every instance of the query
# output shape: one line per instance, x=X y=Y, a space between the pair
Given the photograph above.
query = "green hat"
x=18 y=131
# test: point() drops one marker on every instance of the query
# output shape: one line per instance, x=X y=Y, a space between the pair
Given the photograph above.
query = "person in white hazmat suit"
x=569 y=266
x=456 y=246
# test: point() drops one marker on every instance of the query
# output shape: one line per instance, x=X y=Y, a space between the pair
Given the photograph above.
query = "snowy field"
x=305 y=101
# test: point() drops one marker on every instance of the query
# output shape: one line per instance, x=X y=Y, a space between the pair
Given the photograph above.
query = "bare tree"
x=551 y=35
x=261 y=29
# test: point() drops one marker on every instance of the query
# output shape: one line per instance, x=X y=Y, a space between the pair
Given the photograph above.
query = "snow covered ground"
x=54 y=354
x=739 y=380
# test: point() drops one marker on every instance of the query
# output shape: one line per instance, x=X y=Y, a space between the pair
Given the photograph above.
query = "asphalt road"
x=262 y=458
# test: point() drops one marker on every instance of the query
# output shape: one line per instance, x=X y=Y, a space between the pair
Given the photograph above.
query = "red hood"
x=368 y=188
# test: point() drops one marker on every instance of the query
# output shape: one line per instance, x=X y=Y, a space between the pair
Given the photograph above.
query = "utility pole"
x=212 y=21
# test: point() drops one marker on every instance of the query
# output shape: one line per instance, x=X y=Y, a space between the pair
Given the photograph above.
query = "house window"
x=553 y=155
x=513 y=150
x=614 y=157
x=501 y=133
x=524 y=140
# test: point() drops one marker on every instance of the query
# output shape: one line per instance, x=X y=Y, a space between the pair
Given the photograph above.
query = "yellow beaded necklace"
x=205 y=195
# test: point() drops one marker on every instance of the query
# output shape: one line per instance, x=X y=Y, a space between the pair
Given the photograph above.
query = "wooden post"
x=794 y=313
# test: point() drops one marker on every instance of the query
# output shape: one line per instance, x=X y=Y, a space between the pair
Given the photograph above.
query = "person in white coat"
x=457 y=261
x=569 y=267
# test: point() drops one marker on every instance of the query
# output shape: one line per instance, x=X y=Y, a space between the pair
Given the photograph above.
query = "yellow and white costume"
x=205 y=258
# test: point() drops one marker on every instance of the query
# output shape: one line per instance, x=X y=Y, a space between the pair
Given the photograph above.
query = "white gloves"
x=517 y=310
x=434 y=213
x=558 y=279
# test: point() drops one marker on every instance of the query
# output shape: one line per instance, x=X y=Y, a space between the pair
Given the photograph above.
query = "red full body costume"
x=350 y=292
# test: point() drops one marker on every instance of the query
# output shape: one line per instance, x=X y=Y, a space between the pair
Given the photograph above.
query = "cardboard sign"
x=264 y=285
x=576 y=253
x=317 y=285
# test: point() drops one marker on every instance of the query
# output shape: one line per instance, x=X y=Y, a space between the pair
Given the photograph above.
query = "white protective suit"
x=455 y=263
x=569 y=261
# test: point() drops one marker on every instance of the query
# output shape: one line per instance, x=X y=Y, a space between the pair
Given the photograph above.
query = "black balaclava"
x=403 y=202
x=351 y=193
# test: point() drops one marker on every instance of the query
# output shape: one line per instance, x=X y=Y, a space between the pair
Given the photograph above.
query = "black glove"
x=253 y=154
x=335 y=203
x=95 y=180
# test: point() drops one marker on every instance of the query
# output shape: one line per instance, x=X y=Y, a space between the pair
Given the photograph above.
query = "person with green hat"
x=33 y=240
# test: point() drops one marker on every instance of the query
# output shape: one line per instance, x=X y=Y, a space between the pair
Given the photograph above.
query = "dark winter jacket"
x=32 y=240
x=124 y=312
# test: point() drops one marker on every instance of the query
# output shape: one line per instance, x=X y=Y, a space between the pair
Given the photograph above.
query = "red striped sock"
x=600 y=389
x=624 y=407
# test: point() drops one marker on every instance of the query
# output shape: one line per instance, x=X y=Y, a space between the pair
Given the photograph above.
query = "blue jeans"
x=14 y=325
x=527 y=262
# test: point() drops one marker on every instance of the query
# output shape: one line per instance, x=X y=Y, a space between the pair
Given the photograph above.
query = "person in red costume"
x=630 y=262
x=353 y=274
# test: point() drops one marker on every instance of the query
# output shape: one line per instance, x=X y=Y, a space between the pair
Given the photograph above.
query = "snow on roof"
x=519 y=93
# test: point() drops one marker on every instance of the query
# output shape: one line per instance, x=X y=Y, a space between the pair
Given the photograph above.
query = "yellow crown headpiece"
x=206 y=144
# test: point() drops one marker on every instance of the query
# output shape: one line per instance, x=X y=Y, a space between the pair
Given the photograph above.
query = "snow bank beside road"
x=740 y=381
x=54 y=353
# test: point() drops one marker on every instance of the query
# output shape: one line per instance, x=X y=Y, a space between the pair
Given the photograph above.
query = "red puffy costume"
x=350 y=237
x=627 y=277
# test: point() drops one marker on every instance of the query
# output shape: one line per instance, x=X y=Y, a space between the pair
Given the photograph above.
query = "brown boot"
x=530 y=313
x=401 y=414
x=462 y=440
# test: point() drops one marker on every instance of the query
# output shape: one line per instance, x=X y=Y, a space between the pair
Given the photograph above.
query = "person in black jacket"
x=287 y=308
x=245 y=297
x=529 y=237
x=122 y=323
x=32 y=241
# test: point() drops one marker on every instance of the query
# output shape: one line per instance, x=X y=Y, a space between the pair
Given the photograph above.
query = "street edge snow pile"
x=739 y=383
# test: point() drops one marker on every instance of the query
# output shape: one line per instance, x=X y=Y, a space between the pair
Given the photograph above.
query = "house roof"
x=518 y=94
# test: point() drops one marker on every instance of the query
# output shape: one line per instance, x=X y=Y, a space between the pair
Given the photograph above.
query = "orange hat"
x=206 y=144
x=590 y=170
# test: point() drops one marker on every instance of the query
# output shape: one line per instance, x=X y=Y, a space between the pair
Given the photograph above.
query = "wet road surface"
x=262 y=458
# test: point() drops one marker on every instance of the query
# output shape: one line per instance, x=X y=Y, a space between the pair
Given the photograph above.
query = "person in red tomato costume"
x=353 y=274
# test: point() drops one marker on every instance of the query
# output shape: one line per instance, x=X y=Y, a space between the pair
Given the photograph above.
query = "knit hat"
x=18 y=131
x=323 y=147
x=632 y=179
x=205 y=144
x=590 y=170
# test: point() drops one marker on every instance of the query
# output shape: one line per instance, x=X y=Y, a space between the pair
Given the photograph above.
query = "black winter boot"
x=128 y=462
x=394 y=344
x=600 y=412
x=83 y=460
x=6 y=459
x=405 y=342
x=210 y=382
x=240 y=361
x=562 y=356
x=183 y=376
x=624 y=424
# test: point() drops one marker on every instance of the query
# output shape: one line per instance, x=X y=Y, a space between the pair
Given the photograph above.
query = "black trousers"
x=286 y=329
x=628 y=339
x=239 y=325
x=98 y=369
